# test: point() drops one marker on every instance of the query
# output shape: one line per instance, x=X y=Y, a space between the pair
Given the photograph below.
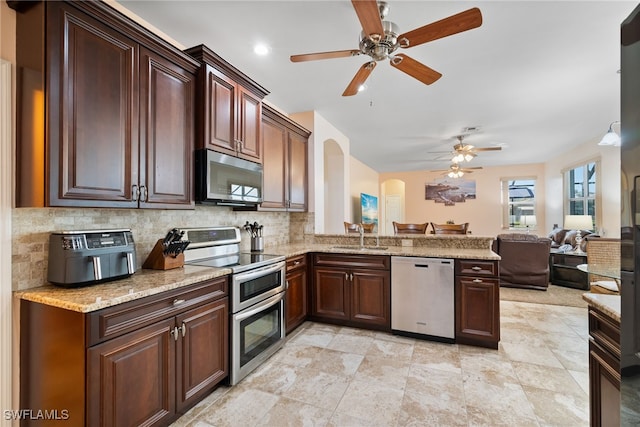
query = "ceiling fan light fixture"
x=611 y=137
x=362 y=87
x=455 y=174
x=458 y=158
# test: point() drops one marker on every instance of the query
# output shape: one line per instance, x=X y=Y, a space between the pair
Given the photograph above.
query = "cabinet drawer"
x=381 y=262
x=476 y=267
x=115 y=321
x=295 y=262
x=604 y=331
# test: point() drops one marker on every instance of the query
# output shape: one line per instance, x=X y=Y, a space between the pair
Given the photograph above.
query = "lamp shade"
x=578 y=222
x=528 y=220
x=611 y=137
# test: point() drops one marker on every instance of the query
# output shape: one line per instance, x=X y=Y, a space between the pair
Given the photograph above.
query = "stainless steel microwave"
x=226 y=180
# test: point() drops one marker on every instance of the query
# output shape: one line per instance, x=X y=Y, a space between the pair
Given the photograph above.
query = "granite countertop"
x=416 y=251
x=150 y=282
x=141 y=284
x=608 y=304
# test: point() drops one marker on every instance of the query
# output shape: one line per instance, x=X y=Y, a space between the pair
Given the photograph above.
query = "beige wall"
x=609 y=181
x=362 y=179
x=484 y=214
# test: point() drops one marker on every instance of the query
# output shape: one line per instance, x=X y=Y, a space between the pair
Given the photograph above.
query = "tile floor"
x=335 y=376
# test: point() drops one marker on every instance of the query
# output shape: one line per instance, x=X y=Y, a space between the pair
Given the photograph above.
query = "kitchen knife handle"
x=97 y=269
x=131 y=268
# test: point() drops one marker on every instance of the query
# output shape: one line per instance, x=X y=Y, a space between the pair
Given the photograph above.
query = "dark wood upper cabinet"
x=285 y=163
x=229 y=108
x=167 y=93
x=105 y=111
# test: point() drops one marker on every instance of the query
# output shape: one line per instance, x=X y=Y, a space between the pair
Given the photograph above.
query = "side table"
x=564 y=271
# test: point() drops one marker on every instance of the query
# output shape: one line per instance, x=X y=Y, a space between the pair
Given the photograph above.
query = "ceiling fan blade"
x=324 y=55
x=415 y=69
x=360 y=77
x=369 y=16
x=463 y=21
x=488 y=149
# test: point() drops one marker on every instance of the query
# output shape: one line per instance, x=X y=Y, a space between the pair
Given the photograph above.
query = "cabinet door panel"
x=203 y=353
x=167 y=94
x=604 y=386
x=250 y=112
x=297 y=173
x=93 y=114
x=274 y=193
x=370 y=297
x=296 y=298
x=131 y=379
x=331 y=294
x=477 y=311
x=221 y=115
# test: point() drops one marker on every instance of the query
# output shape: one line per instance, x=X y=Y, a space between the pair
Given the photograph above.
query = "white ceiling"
x=538 y=77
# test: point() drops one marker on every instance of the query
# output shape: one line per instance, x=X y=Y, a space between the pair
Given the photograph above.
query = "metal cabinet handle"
x=178 y=301
x=476 y=268
x=351 y=276
x=296 y=262
x=144 y=196
x=183 y=329
x=97 y=269
x=286 y=283
x=477 y=281
x=346 y=276
x=174 y=333
x=135 y=193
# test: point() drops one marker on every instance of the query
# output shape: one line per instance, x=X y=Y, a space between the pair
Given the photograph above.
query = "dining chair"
x=400 y=228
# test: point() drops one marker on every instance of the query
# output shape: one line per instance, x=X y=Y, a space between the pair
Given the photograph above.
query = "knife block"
x=157 y=260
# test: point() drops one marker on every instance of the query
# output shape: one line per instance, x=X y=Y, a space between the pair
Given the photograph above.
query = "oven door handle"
x=262 y=271
x=257 y=308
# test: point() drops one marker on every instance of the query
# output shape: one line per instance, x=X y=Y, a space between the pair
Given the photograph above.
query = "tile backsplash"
x=31 y=228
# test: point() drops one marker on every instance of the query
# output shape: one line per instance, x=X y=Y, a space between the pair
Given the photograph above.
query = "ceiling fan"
x=457 y=171
x=379 y=39
x=464 y=152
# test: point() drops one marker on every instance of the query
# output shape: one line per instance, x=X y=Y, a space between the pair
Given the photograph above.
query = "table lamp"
x=578 y=222
x=528 y=221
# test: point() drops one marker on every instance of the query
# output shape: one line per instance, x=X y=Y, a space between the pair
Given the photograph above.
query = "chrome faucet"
x=361 y=231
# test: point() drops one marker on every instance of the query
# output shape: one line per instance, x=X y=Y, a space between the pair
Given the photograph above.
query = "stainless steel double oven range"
x=256 y=295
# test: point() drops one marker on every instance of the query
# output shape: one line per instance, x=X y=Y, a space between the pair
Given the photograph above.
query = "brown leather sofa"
x=525 y=260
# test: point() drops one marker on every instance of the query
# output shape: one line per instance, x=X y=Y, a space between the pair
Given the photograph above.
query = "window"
x=519 y=203
x=580 y=190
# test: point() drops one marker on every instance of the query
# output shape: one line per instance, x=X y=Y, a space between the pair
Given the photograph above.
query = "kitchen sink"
x=358 y=247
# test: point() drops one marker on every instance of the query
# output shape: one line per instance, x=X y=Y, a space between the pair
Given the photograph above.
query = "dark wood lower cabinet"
x=296 y=298
x=131 y=379
x=604 y=369
x=354 y=290
x=477 y=290
x=139 y=363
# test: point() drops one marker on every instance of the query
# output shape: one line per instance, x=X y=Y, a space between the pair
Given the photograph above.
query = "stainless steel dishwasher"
x=422 y=297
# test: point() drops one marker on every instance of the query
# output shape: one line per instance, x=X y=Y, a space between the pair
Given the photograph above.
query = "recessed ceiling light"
x=261 y=49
